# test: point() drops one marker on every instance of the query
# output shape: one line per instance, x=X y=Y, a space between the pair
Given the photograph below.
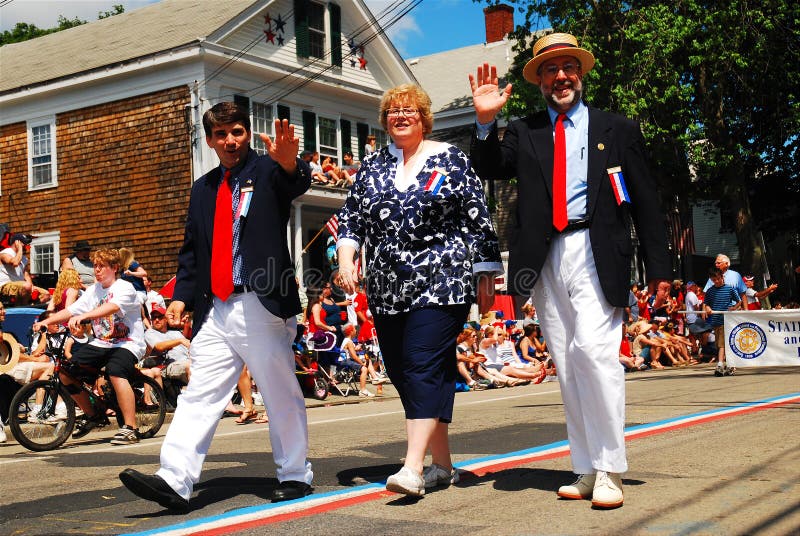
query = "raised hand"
x=486 y=95
x=284 y=149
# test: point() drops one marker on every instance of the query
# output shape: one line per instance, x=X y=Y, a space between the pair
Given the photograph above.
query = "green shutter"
x=347 y=144
x=309 y=131
x=301 y=28
x=362 y=131
x=242 y=101
x=284 y=113
x=336 y=34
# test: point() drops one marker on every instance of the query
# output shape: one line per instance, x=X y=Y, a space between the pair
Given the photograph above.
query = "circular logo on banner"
x=747 y=340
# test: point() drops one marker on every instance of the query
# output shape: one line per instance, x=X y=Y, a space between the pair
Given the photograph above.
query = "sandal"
x=247 y=416
x=262 y=419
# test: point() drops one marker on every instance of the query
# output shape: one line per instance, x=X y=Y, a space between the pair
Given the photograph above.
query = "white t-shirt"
x=9 y=272
x=692 y=304
x=123 y=329
x=352 y=318
x=176 y=354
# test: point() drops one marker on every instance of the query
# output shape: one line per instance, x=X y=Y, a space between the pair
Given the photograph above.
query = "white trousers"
x=238 y=331
x=583 y=333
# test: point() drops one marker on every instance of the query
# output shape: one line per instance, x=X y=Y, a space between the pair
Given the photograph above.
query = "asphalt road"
x=731 y=471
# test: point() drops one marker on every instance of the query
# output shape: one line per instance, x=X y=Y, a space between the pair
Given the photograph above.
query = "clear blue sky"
x=433 y=26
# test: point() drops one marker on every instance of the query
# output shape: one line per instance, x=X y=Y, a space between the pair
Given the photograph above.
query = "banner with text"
x=762 y=338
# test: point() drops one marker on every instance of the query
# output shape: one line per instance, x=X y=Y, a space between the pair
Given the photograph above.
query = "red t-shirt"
x=367 y=328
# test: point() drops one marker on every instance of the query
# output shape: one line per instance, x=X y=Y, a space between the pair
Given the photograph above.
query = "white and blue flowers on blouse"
x=426 y=235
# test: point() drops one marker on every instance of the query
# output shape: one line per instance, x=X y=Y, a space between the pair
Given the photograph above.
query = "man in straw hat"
x=581 y=176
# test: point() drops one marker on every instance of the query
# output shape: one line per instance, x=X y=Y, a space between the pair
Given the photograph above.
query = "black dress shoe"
x=290 y=489
x=153 y=488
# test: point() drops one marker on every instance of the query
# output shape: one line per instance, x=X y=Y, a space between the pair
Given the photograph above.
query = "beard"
x=562 y=104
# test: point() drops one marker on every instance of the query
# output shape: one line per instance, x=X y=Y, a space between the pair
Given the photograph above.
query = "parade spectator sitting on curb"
x=171 y=343
x=753 y=295
x=719 y=297
x=16 y=284
x=356 y=362
x=626 y=358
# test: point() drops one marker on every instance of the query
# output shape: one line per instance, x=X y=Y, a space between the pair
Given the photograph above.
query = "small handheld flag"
x=333 y=227
x=618 y=185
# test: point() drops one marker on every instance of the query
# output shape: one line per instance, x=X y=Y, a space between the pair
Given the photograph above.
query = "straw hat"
x=552 y=46
x=9 y=353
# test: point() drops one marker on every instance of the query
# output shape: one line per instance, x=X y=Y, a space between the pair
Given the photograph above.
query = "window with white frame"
x=42 y=153
x=261 y=119
x=381 y=137
x=44 y=255
x=316 y=30
x=328 y=137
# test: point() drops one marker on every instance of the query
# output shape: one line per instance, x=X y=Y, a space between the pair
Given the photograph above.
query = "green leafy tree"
x=23 y=31
x=715 y=85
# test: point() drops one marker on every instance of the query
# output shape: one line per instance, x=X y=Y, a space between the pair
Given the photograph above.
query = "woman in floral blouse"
x=420 y=211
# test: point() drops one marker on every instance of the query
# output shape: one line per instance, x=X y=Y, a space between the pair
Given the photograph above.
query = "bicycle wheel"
x=151 y=407
x=43 y=426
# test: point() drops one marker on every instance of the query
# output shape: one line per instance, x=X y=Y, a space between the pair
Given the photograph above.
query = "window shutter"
x=301 y=28
x=242 y=101
x=347 y=144
x=309 y=131
x=336 y=34
x=362 y=131
x=284 y=113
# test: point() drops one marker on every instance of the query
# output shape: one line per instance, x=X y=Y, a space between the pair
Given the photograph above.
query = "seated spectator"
x=626 y=357
x=317 y=174
x=151 y=296
x=502 y=358
x=467 y=363
x=532 y=348
x=78 y=337
x=679 y=345
x=356 y=362
x=171 y=344
x=16 y=284
x=80 y=261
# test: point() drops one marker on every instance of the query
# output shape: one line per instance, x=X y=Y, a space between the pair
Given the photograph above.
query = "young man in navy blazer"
x=582 y=176
x=235 y=273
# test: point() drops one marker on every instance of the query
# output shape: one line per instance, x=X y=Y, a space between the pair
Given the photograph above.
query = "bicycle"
x=46 y=429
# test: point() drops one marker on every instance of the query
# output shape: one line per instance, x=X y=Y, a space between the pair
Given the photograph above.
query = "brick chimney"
x=499 y=22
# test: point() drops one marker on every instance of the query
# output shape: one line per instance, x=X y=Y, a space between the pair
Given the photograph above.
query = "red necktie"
x=560 y=176
x=222 y=244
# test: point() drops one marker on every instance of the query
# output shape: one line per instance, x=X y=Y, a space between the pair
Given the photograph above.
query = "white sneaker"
x=407 y=482
x=61 y=411
x=378 y=380
x=436 y=475
x=3 y=437
x=366 y=394
x=607 y=491
x=580 y=489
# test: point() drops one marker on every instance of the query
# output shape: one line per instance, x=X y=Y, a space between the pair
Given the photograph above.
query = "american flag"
x=333 y=227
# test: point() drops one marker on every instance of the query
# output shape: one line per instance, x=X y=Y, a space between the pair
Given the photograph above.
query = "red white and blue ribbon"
x=435 y=182
x=618 y=185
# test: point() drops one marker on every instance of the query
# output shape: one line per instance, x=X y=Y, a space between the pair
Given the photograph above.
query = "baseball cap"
x=158 y=309
x=749 y=278
x=24 y=238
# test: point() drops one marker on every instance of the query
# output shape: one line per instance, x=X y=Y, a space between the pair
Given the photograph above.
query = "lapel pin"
x=600 y=146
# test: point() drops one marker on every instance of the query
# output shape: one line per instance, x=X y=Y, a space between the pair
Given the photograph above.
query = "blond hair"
x=68 y=278
x=410 y=94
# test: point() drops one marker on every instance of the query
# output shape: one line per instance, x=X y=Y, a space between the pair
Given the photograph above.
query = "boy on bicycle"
x=110 y=305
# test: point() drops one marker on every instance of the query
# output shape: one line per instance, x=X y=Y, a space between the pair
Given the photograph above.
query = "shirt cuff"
x=487 y=267
x=484 y=129
x=347 y=242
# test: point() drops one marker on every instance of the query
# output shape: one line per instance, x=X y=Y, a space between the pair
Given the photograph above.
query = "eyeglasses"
x=568 y=68
x=405 y=112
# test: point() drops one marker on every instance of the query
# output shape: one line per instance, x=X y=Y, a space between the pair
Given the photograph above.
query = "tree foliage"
x=23 y=31
x=715 y=85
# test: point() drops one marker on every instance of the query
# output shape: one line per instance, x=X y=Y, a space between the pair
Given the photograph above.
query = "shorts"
x=645 y=353
x=119 y=362
x=351 y=364
x=719 y=336
x=177 y=371
x=22 y=372
x=698 y=327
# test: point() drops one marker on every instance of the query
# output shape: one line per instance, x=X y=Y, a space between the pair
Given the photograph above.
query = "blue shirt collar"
x=574 y=115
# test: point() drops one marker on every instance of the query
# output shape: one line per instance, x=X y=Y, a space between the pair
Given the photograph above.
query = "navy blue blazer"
x=262 y=239
x=526 y=153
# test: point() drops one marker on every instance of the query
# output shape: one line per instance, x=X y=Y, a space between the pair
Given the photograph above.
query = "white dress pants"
x=583 y=333
x=238 y=331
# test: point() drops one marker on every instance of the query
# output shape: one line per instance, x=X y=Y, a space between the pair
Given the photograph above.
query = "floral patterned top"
x=425 y=234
